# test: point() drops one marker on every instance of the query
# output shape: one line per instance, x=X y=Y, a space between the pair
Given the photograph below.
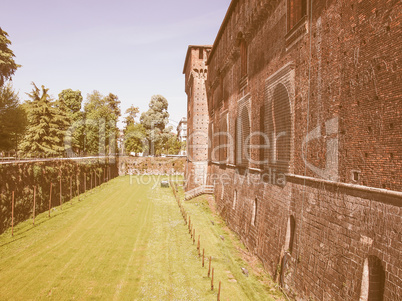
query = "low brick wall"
x=152 y=165
x=22 y=177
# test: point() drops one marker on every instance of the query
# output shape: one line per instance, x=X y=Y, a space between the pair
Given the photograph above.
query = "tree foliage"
x=131 y=115
x=134 y=138
x=157 y=115
x=134 y=133
x=13 y=119
x=173 y=145
x=7 y=63
x=47 y=125
x=101 y=116
x=154 y=121
x=72 y=101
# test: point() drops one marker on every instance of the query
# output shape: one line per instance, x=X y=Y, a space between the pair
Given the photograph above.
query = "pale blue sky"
x=134 y=49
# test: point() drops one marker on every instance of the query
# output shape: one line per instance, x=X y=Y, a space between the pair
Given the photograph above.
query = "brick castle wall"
x=336 y=229
x=335 y=202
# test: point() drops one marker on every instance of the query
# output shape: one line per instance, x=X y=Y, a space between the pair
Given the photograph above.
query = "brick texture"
x=195 y=71
x=341 y=68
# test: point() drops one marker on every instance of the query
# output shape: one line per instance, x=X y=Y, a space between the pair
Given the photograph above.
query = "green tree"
x=72 y=101
x=173 y=144
x=47 y=124
x=134 y=136
x=132 y=114
x=154 y=121
x=7 y=63
x=13 y=119
x=134 y=133
x=112 y=131
x=101 y=116
x=93 y=110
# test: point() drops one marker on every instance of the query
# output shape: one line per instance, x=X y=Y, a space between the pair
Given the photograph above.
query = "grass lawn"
x=124 y=242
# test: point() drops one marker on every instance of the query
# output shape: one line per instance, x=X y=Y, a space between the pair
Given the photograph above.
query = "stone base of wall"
x=196 y=174
x=313 y=237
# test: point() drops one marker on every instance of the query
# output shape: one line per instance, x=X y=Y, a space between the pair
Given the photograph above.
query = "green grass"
x=122 y=242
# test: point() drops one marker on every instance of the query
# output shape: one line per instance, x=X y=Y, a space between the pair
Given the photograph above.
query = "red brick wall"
x=336 y=230
x=197 y=114
x=341 y=69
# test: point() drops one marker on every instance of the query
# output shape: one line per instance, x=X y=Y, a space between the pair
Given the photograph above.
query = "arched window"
x=254 y=213
x=278 y=129
x=223 y=139
x=210 y=141
x=373 y=280
x=243 y=137
x=282 y=123
x=290 y=234
x=215 y=141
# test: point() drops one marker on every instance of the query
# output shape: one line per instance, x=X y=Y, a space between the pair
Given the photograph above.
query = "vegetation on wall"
x=21 y=178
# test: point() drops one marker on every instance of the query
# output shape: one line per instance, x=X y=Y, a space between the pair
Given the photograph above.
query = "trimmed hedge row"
x=22 y=177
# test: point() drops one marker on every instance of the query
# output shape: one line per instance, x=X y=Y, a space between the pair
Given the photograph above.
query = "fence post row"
x=106 y=171
x=12 y=214
x=50 y=198
x=34 y=204
x=191 y=230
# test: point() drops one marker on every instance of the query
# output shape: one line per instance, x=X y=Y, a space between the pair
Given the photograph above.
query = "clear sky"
x=134 y=49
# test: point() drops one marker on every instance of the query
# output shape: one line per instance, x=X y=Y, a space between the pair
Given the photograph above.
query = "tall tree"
x=134 y=136
x=93 y=113
x=7 y=63
x=13 y=119
x=101 y=116
x=72 y=101
x=112 y=131
x=154 y=121
x=47 y=123
x=173 y=145
x=134 y=133
x=131 y=115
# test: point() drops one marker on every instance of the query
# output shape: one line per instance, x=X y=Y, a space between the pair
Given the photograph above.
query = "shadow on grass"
x=26 y=228
x=20 y=229
x=14 y=240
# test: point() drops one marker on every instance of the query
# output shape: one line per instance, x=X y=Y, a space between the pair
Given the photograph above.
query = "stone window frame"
x=353 y=172
x=223 y=138
x=241 y=42
x=286 y=77
x=298 y=13
x=299 y=27
x=210 y=139
x=244 y=64
x=244 y=102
